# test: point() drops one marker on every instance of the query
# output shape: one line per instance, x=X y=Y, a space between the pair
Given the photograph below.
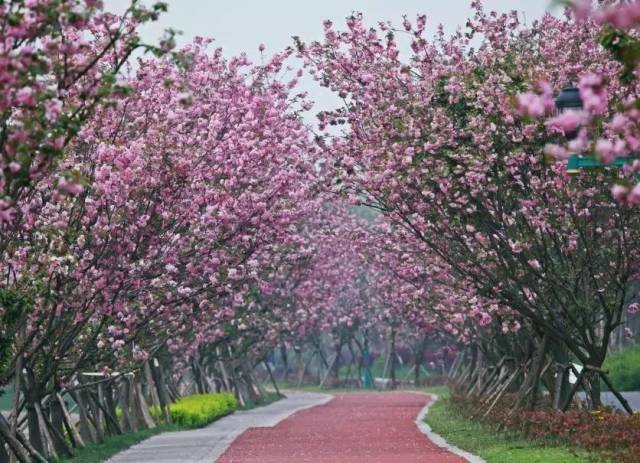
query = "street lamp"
x=569 y=100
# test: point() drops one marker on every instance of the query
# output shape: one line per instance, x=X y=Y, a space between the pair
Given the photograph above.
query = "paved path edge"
x=213 y=440
x=438 y=439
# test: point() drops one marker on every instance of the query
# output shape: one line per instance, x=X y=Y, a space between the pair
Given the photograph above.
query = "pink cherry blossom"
x=567 y=122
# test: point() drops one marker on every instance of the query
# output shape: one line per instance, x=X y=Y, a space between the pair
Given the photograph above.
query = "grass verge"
x=495 y=447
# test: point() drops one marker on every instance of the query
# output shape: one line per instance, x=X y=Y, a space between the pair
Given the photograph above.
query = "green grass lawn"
x=624 y=368
x=495 y=447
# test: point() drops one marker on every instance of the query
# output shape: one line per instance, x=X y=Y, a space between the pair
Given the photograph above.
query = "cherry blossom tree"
x=194 y=183
x=59 y=60
x=433 y=144
x=176 y=224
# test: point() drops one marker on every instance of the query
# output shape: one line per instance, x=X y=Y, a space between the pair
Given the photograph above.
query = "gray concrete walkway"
x=207 y=444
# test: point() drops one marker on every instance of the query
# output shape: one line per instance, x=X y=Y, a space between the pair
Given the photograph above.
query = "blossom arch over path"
x=352 y=428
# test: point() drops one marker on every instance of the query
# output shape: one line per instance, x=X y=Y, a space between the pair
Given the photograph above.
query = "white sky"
x=242 y=25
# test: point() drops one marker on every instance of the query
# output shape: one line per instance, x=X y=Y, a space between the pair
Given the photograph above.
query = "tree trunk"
x=335 y=369
x=536 y=371
x=197 y=375
x=301 y=365
x=141 y=409
x=392 y=366
x=57 y=422
x=285 y=362
x=35 y=435
x=151 y=392
x=561 y=386
x=226 y=379
x=128 y=418
x=417 y=363
x=594 y=389
x=161 y=386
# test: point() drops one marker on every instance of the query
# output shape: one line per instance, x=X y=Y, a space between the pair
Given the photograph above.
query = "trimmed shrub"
x=201 y=409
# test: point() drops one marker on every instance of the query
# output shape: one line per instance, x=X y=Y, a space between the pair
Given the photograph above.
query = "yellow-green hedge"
x=201 y=409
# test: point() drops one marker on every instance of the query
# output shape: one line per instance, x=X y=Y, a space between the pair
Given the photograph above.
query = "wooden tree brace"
x=48 y=440
x=68 y=421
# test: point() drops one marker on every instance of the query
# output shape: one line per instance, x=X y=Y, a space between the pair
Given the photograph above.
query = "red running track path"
x=352 y=428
